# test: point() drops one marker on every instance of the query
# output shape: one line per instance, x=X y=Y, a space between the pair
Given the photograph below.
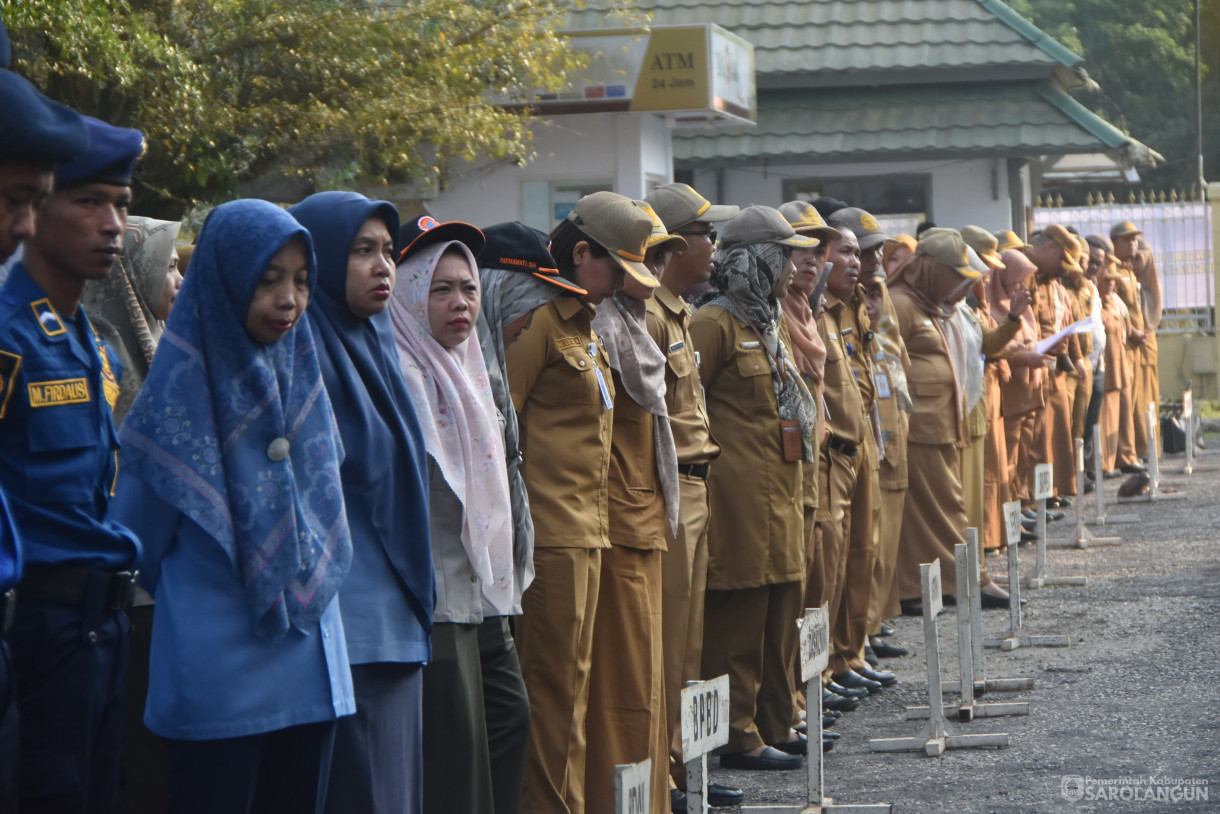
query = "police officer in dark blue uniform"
x=58 y=464
x=36 y=134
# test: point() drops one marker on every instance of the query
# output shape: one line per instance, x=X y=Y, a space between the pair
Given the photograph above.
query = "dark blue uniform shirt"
x=58 y=445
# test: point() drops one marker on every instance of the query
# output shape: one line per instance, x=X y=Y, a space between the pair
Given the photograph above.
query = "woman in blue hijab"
x=230 y=477
x=389 y=594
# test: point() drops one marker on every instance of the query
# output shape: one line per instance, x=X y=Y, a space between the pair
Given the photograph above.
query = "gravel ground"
x=1134 y=696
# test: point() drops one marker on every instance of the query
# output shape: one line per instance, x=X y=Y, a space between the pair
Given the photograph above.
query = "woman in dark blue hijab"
x=389 y=594
x=230 y=477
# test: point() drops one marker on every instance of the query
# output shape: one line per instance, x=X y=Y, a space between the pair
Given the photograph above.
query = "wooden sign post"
x=1099 y=474
x=1016 y=634
x=967 y=590
x=815 y=655
x=632 y=787
x=705 y=726
x=969 y=565
x=938 y=735
x=1084 y=537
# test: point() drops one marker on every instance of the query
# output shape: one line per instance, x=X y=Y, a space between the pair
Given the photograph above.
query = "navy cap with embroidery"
x=424 y=230
x=514 y=246
x=35 y=130
x=110 y=159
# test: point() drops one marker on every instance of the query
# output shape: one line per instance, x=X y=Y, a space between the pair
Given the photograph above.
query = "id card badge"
x=607 y=401
x=883 y=385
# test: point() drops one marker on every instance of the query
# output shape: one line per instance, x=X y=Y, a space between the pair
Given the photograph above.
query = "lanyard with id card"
x=607 y=401
x=881 y=377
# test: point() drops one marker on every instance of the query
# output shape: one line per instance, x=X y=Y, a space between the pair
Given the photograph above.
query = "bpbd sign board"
x=697 y=73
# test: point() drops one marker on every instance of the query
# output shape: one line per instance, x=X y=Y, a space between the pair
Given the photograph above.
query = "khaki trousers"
x=751 y=635
x=627 y=720
x=1147 y=391
x=1126 y=419
x=684 y=582
x=1019 y=441
x=1111 y=411
x=996 y=477
x=971 y=459
x=849 y=550
x=555 y=643
x=1053 y=434
x=883 y=602
x=933 y=517
x=1080 y=400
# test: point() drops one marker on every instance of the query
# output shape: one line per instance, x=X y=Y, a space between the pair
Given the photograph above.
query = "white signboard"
x=1012 y=522
x=1043 y=481
x=933 y=601
x=815 y=643
x=1188 y=405
x=633 y=787
x=705 y=717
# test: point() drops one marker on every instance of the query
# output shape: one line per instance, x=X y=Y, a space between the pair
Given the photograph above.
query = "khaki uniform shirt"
x=895 y=421
x=846 y=394
x=565 y=424
x=669 y=320
x=937 y=419
x=1113 y=316
x=637 y=507
x=755 y=526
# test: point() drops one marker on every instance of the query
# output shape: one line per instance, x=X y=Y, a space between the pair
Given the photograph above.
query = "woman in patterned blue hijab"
x=230 y=476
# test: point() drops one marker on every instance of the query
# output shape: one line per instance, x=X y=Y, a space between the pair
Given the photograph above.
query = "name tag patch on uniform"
x=62 y=391
x=565 y=342
x=48 y=320
x=677 y=346
x=751 y=345
x=10 y=363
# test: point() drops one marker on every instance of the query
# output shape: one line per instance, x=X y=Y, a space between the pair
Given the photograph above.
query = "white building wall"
x=629 y=153
x=971 y=191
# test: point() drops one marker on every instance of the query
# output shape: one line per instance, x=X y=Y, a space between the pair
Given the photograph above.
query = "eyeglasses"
x=710 y=234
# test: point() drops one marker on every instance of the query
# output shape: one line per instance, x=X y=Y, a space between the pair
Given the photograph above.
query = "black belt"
x=694 y=470
x=75 y=585
x=842 y=446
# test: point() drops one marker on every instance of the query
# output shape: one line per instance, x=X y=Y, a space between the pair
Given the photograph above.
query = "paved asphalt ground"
x=1135 y=696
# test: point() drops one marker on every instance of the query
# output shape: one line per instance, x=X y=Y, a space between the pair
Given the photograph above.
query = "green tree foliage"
x=328 y=92
x=1141 y=52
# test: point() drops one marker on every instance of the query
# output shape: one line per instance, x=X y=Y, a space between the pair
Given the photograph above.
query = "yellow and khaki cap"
x=1008 y=240
x=947 y=247
x=660 y=235
x=806 y=220
x=868 y=231
x=1067 y=241
x=1124 y=229
x=762 y=224
x=679 y=204
x=984 y=244
x=621 y=227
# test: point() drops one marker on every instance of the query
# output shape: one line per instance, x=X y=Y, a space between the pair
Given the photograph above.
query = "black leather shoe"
x=888 y=651
x=770 y=759
x=1112 y=474
x=829 y=720
x=1029 y=514
x=827 y=744
x=883 y=677
x=1132 y=469
x=948 y=599
x=722 y=796
x=987 y=600
x=1029 y=526
x=677 y=801
x=1089 y=486
x=854 y=681
x=839 y=703
x=870 y=655
x=1027 y=537
x=886 y=630
x=827 y=735
x=1060 y=503
x=1054 y=516
x=800 y=746
x=846 y=692
x=911 y=607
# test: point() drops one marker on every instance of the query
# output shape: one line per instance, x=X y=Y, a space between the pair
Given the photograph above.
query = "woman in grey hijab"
x=518 y=276
x=129 y=306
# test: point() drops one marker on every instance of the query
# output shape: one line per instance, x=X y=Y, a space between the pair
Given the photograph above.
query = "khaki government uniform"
x=1021 y=404
x=1116 y=400
x=684 y=564
x=1149 y=383
x=1082 y=293
x=627 y=714
x=847 y=474
x=565 y=444
x=756 y=555
x=934 y=514
x=1053 y=433
x=996 y=467
x=1145 y=386
x=892 y=463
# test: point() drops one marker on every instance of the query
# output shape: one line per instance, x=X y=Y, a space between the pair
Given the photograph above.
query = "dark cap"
x=110 y=159
x=868 y=231
x=513 y=246
x=424 y=230
x=35 y=130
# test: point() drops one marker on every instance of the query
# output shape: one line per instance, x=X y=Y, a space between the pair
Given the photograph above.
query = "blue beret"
x=110 y=159
x=35 y=130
